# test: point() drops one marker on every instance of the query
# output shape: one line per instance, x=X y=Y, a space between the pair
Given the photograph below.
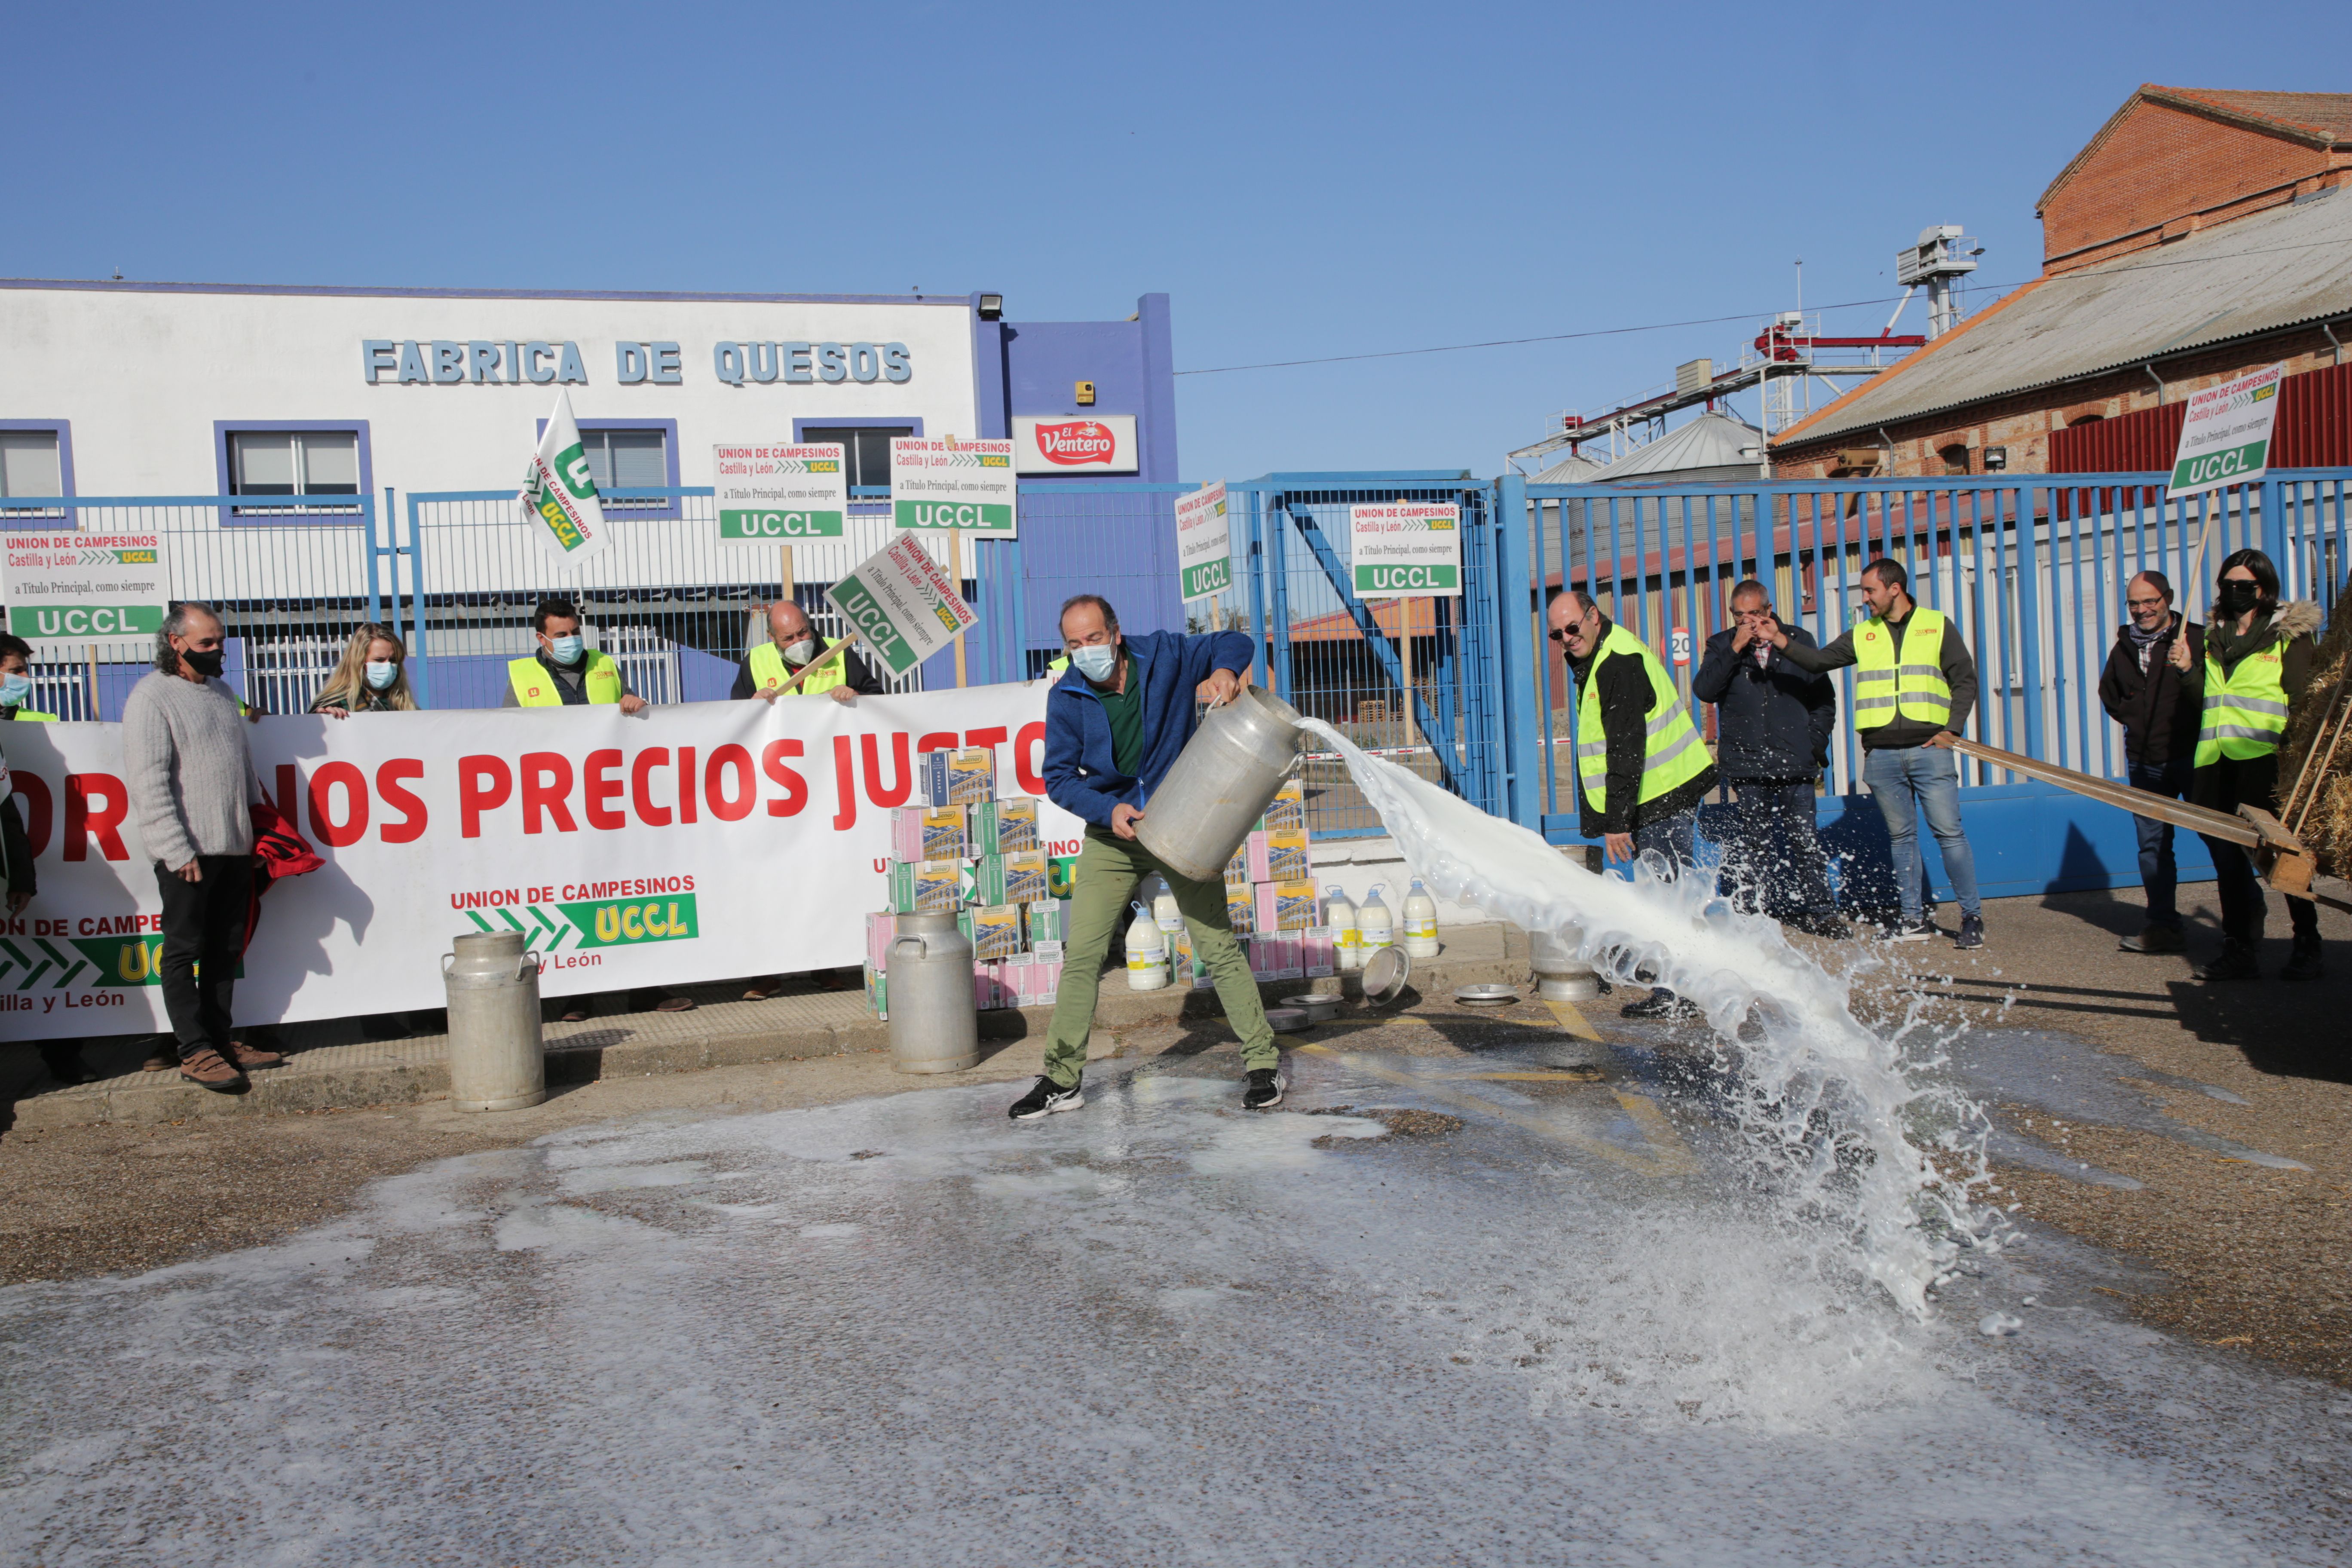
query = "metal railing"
x=2030 y=568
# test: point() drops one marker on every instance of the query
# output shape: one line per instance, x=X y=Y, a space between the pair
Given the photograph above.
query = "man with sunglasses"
x=2159 y=708
x=1641 y=767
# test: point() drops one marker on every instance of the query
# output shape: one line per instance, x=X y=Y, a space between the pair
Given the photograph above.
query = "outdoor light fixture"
x=1996 y=459
x=992 y=307
x=1086 y=395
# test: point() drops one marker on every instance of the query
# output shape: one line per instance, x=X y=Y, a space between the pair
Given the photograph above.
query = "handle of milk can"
x=914 y=942
x=446 y=960
x=538 y=964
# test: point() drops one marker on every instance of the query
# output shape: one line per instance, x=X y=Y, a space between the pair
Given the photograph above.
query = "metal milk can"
x=934 y=1018
x=1560 y=975
x=496 y=1061
x=1222 y=783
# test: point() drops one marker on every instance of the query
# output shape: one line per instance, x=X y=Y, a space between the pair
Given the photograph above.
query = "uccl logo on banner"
x=85 y=620
x=1387 y=579
x=1077 y=443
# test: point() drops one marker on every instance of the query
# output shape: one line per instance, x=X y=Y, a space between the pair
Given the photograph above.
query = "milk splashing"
x=1838 y=1125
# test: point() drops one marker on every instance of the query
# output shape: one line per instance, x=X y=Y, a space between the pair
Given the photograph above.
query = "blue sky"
x=1303 y=181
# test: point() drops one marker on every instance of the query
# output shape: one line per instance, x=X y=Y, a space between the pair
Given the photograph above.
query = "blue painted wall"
x=1121 y=546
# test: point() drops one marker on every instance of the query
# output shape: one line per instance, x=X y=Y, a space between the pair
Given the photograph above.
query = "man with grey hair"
x=792 y=645
x=192 y=783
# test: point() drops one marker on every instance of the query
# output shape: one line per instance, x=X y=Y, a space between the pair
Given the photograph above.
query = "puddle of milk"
x=1840 y=1126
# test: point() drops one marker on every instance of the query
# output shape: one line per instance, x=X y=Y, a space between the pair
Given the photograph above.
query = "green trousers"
x=1108 y=870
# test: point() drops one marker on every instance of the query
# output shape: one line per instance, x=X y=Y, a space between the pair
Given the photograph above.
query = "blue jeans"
x=2158 y=873
x=1906 y=783
x=1674 y=838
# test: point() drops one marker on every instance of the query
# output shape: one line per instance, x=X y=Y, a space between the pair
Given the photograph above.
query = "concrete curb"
x=728 y=1033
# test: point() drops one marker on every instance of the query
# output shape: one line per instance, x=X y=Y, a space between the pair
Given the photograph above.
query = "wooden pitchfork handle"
x=813 y=665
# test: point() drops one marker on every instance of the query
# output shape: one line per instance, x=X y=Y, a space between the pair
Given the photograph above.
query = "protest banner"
x=903 y=604
x=697 y=842
x=2225 y=438
x=70 y=586
x=1204 y=544
x=965 y=487
x=558 y=493
x=1406 y=550
x=768 y=492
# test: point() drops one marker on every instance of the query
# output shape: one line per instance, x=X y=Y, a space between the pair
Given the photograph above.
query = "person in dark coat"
x=2158 y=706
x=1773 y=722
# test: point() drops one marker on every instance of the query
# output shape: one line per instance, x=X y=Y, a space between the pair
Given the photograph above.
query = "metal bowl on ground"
x=1318 y=1006
x=1288 y=1020
x=1386 y=973
x=1486 y=995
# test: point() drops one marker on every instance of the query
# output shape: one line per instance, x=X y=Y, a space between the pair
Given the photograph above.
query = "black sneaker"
x=1045 y=1098
x=1823 y=923
x=2154 y=938
x=1264 y=1091
x=1971 y=931
x=1659 y=1003
x=1902 y=930
x=2236 y=962
x=2304 y=963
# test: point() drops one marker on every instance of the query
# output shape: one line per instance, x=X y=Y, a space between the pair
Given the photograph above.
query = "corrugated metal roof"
x=1708 y=442
x=2277 y=269
x=1571 y=469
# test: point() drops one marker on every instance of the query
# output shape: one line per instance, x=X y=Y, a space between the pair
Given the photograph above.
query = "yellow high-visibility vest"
x=770 y=668
x=535 y=687
x=2245 y=711
x=1672 y=753
x=1917 y=689
x=37 y=717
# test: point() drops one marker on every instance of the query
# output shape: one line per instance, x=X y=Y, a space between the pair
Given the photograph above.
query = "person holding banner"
x=2258 y=658
x=566 y=672
x=791 y=646
x=370 y=678
x=189 y=770
x=1114 y=724
x=17 y=680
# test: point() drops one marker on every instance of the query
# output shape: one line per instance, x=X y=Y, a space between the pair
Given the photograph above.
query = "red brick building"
x=2200 y=234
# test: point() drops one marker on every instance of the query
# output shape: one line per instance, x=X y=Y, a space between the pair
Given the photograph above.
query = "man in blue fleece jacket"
x=1114 y=724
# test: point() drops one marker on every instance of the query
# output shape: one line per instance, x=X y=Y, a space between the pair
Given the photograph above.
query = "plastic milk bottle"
x=1147 y=953
x=1375 y=927
x=1348 y=956
x=1420 y=923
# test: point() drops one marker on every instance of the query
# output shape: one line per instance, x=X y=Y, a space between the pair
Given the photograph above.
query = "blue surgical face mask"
x=565 y=650
x=382 y=675
x=15 y=690
x=1096 y=661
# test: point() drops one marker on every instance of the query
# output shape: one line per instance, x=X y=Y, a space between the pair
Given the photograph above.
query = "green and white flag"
x=559 y=494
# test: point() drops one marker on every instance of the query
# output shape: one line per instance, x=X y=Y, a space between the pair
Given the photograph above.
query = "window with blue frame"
x=29 y=466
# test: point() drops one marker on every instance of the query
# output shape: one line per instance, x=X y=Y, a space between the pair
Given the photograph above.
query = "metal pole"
x=955 y=575
x=93 y=684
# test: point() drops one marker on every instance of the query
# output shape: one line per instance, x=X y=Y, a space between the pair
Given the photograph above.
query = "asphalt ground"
x=1479 y=1292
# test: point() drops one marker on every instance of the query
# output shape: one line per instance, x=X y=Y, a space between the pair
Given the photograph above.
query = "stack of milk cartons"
x=969 y=850
x=1270 y=895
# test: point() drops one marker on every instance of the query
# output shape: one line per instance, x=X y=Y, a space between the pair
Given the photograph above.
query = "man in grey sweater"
x=193 y=783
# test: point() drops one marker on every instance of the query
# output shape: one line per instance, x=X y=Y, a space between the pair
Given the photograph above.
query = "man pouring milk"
x=1114 y=724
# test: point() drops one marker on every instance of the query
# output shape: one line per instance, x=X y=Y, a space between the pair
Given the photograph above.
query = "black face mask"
x=207 y=664
x=2236 y=598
